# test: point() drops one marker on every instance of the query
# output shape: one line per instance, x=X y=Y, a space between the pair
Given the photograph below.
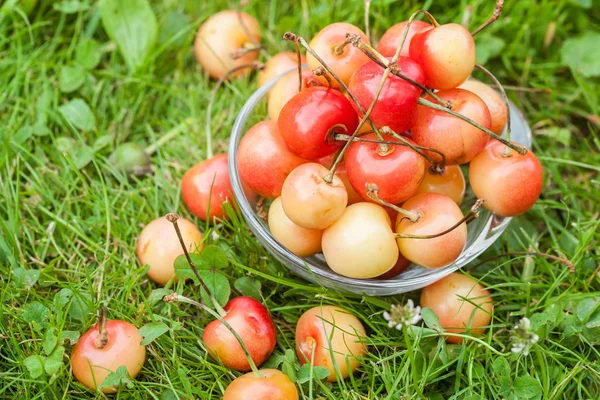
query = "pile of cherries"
x=360 y=158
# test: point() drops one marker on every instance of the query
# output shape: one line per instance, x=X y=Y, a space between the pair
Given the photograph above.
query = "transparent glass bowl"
x=482 y=232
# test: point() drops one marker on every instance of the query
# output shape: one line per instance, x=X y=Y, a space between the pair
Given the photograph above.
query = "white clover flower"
x=403 y=315
x=522 y=337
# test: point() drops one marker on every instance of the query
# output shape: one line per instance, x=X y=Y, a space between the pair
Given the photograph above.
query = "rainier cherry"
x=278 y=64
x=158 y=247
x=310 y=119
x=451 y=183
x=342 y=172
x=264 y=161
x=446 y=53
x=360 y=244
x=285 y=89
x=206 y=186
x=457 y=139
x=222 y=35
x=396 y=105
x=461 y=304
x=300 y=241
x=391 y=39
x=437 y=214
x=95 y=356
x=253 y=323
x=397 y=172
x=493 y=101
x=329 y=331
x=510 y=185
x=270 y=385
x=309 y=201
x=342 y=61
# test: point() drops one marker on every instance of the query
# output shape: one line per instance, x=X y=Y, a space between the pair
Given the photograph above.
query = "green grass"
x=66 y=215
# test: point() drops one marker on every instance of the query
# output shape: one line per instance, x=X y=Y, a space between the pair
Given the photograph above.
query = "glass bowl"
x=482 y=232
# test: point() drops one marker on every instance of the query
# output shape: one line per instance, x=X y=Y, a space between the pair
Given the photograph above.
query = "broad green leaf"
x=81 y=306
x=71 y=6
x=25 y=278
x=273 y=362
x=65 y=144
x=318 y=373
x=71 y=78
x=248 y=287
x=488 y=47
x=157 y=295
x=218 y=284
x=78 y=113
x=211 y=257
x=169 y=394
x=582 y=3
x=537 y=320
x=582 y=55
x=35 y=365
x=431 y=319
x=50 y=341
x=82 y=156
x=102 y=142
x=586 y=307
x=501 y=367
x=36 y=313
x=71 y=336
x=527 y=387
x=40 y=129
x=132 y=26
x=289 y=364
x=22 y=135
x=88 y=53
x=561 y=135
x=120 y=377
x=54 y=360
x=152 y=331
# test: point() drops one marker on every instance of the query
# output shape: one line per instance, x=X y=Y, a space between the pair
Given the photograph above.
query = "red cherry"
x=285 y=89
x=310 y=119
x=264 y=160
x=397 y=172
x=253 y=323
x=271 y=384
x=457 y=139
x=510 y=185
x=396 y=106
x=391 y=39
x=446 y=53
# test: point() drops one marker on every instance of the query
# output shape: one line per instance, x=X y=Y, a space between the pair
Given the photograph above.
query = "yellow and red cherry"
x=391 y=39
x=451 y=183
x=271 y=384
x=309 y=121
x=446 y=53
x=397 y=171
x=401 y=265
x=278 y=64
x=343 y=60
x=342 y=172
x=396 y=105
x=334 y=336
x=253 y=323
x=492 y=99
x=206 y=186
x=437 y=214
x=510 y=185
x=300 y=241
x=92 y=359
x=221 y=36
x=361 y=243
x=285 y=89
x=264 y=161
x=158 y=247
x=457 y=139
x=462 y=305
x=311 y=202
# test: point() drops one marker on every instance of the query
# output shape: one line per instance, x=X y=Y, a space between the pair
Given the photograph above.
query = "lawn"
x=69 y=220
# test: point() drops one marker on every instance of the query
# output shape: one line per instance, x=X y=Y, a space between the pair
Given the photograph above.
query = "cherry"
x=461 y=304
x=309 y=201
x=92 y=360
x=278 y=64
x=264 y=161
x=342 y=172
x=397 y=172
x=158 y=248
x=206 y=186
x=401 y=265
x=360 y=244
x=457 y=139
x=270 y=385
x=331 y=331
x=510 y=185
x=222 y=35
x=285 y=89
x=343 y=61
x=493 y=101
x=451 y=183
x=391 y=39
x=396 y=106
x=310 y=119
x=253 y=323
x=300 y=241
x=437 y=214
x=446 y=53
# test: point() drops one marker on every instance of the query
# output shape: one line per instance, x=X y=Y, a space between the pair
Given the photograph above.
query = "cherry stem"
x=299 y=59
x=320 y=71
x=367 y=12
x=213 y=94
x=167 y=137
x=172 y=217
x=245 y=50
x=439 y=168
x=177 y=298
x=526 y=89
x=563 y=260
x=102 y=340
x=517 y=148
x=373 y=193
x=493 y=18
x=470 y=216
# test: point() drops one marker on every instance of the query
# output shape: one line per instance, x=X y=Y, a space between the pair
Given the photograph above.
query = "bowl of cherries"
x=349 y=167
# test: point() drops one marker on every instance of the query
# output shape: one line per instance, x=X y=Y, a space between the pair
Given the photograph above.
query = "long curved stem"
x=373 y=193
x=438 y=168
x=299 y=59
x=493 y=18
x=102 y=340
